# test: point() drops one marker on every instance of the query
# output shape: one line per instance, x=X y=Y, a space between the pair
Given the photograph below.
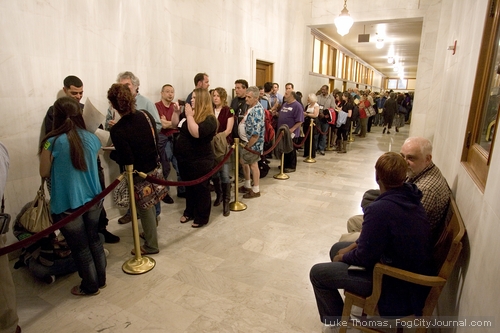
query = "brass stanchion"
x=351 y=137
x=138 y=264
x=329 y=142
x=311 y=135
x=282 y=175
x=237 y=206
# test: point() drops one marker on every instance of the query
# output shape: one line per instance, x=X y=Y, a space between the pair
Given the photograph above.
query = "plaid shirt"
x=436 y=193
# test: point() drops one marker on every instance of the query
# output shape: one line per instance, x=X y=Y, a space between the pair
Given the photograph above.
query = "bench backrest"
x=446 y=252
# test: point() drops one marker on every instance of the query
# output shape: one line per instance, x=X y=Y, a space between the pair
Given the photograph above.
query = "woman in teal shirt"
x=68 y=156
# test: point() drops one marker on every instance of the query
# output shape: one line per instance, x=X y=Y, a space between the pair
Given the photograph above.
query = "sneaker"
x=251 y=194
x=109 y=237
x=322 y=152
x=125 y=219
x=106 y=252
x=288 y=170
x=168 y=199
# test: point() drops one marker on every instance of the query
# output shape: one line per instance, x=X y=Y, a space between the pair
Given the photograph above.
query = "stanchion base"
x=138 y=266
x=281 y=176
x=310 y=160
x=237 y=206
x=330 y=149
x=351 y=139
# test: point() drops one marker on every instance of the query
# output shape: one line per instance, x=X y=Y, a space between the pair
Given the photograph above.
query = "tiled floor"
x=248 y=272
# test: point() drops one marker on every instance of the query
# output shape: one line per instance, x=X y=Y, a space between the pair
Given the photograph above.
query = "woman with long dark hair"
x=347 y=106
x=134 y=138
x=193 y=150
x=68 y=155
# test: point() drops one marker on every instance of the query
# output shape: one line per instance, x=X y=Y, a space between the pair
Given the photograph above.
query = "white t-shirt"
x=241 y=129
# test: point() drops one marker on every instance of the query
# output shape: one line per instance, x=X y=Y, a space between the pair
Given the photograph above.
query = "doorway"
x=263 y=72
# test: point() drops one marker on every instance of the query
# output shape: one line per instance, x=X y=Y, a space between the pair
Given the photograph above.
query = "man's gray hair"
x=254 y=90
x=424 y=144
x=128 y=75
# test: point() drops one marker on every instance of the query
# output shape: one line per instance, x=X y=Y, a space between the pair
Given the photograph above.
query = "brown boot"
x=343 y=149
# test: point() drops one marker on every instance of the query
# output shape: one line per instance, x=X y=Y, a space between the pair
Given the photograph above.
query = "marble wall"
x=160 y=41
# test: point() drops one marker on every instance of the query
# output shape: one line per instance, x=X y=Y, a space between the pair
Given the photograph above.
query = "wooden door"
x=263 y=72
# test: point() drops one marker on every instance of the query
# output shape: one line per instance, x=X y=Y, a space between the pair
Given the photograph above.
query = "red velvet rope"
x=191 y=182
x=60 y=224
x=303 y=140
x=319 y=130
x=280 y=136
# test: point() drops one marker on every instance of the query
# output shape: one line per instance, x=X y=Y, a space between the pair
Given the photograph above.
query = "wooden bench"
x=446 y=252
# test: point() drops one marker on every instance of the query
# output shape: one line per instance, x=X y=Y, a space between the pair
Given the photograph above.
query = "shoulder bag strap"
x=153 y=133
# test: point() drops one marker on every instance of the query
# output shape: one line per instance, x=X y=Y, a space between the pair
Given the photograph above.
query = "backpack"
x=219 y=146
x=269 y=133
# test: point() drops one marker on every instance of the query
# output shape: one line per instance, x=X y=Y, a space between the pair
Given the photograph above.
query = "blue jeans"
x=327 y=278
x=166 y=149
x=322 y=137
x=223 y=173
x=86 y=247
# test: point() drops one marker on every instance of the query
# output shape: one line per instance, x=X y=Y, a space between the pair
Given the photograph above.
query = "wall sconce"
x=344 y=21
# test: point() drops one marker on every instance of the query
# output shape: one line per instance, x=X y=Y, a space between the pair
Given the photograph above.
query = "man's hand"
x=111 y=123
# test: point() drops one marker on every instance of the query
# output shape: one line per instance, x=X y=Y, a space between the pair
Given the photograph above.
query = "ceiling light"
x=380 y=41
x=344 y=21
x=390 y=60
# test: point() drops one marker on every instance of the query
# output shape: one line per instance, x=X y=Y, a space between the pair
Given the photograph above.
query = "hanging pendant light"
x=344 y=21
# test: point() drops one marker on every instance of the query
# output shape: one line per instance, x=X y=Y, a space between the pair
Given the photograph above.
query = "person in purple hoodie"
x=395 y=232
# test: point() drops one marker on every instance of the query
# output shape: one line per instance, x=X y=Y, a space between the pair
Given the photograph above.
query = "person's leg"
x=8 y=307
x=255 y=173
x=246 y=173
x=218 y=188
x=90 y=219
x=77 y=238
x=327 y=279
x=148 y=221
x=162 y=151
x=322 y=137
x=203 y=203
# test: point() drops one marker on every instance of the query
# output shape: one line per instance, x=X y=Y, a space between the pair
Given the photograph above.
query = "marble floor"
x=248 y=272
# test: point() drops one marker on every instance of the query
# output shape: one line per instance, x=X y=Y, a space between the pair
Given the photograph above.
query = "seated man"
x=417 y=152
x=396 y=232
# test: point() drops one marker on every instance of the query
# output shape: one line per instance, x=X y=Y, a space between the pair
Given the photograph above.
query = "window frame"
x=475 y=158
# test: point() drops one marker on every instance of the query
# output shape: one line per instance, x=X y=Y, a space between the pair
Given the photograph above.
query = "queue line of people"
x=196 y=125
